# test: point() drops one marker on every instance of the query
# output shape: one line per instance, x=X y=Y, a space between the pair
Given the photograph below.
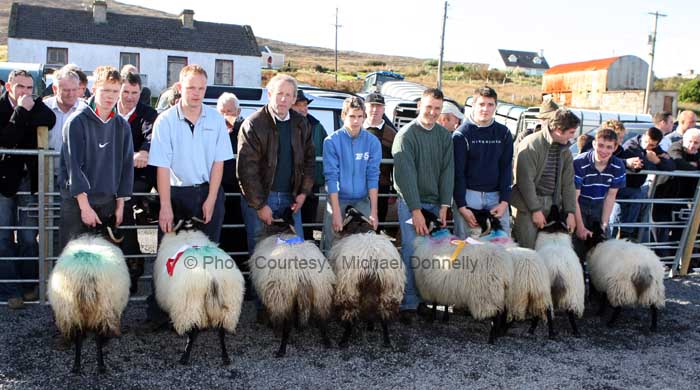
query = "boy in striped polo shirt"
x=598 y=176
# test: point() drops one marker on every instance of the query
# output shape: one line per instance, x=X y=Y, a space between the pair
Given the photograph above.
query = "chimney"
x=187 y=18
x=99 y=11
x=541 y=53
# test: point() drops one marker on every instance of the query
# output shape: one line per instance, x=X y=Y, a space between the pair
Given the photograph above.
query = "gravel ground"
x=423 y=355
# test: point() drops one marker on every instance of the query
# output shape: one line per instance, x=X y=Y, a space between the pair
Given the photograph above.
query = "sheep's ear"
x=488 y=228
x=179 y=225
x=366 y=220
x=347 y=220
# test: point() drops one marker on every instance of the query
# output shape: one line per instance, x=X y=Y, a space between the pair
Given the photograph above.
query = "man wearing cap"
x=451 y=116
x=544 y=175
x=379 y=125
x=318 y=134
x=547 y=109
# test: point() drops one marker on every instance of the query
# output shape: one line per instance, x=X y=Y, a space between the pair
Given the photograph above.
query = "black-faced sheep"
x=89 y=289
x=293 y=279
x=624 y=273
x=197 y=284
x=555 y=248
x=466 y=274
x=369 y=273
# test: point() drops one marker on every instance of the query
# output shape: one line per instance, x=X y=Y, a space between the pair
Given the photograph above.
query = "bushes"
x=690 y=91
x=376 y=63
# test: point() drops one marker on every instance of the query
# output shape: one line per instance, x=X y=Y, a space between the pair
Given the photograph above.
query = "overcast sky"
x=567 y=31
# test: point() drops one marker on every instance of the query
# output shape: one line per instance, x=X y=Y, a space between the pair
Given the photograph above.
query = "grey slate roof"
x=525 y=59
x=78 y=26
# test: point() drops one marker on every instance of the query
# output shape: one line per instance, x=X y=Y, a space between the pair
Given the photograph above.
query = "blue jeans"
x=328 y=234
x=629 y=212
x=13 y=213
x=250 y=217
x=411 y=297
x=278 y=201
x=480 y=201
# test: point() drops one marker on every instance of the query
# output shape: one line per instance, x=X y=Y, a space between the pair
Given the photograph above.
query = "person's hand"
x=208 y=208
x=165 y=219
x=89 y=217
x=538 y=219
x=652 y=157
x=499 y=210
x=468 y=216
x=337 y=222
x=571 y=223
x=298 y=202
x=419 y=222
x=374 y=220
x=265 y=215
x=26 y=102
x=582 y=233
x=443 y=216
x=141 y=159
x=119 y=213
x=634 y=163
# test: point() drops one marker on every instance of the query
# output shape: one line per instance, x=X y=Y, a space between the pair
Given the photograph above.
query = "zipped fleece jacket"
x=97 y=157
x=351 y=165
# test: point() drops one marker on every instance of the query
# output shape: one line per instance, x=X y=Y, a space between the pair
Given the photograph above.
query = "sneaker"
x=15 y=303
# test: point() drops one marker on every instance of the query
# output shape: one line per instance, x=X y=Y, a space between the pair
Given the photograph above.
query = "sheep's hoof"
x=343 y=344
x=184 y=361
x=226 y=361
x=386 y=344
x=577 y=333
x=653 y=329
x=553 y=335
x=75 y=370
x=101 y=369
x=280 y=354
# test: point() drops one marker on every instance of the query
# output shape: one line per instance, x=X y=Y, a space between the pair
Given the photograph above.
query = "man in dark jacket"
x=141 y=119
x=20 y=115
x=379 y=125
x=642 y=153
x=276 y=160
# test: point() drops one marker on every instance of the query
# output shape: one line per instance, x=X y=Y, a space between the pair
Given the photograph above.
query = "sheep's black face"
x=107 y=228
x=185 y=219
x=282 y=223
x=431 y=220
x=556 y=222
x=597 y=237
x=355 y=222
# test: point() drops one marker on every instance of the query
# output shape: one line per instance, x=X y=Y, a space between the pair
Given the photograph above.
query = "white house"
x=527 y=62
x=270 y=59
x=158 y=46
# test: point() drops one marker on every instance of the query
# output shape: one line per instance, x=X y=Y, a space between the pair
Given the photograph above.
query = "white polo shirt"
x=189 y=154
x=56 y=132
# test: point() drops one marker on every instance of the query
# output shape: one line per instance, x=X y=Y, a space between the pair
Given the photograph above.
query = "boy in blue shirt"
x=598 y=176
x=351 y=158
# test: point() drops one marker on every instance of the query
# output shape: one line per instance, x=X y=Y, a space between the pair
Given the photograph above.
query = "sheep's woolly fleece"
x=565 y=272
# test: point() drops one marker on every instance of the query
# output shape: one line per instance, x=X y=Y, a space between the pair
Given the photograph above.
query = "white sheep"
x=292 y=278
x=627 y=274
x=199 y=286
x=568 y=288
x=88 y=290
x=370 y=276
x=473 y=275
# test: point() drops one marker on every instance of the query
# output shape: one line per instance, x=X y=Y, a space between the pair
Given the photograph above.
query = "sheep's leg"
x=494 y=326
x=654 y=317
x=191 y=336
x=550 y=323
x=225 y=359
x=502 y=323
x=602 y=303
x=370 y=326
x=323 y=328
x=572 y=321
x=346 y=335
x=78 y=341
x=286 y=328
x=100 y=342
x=533 y=325
x=615 y=314
x=446 y=315
x=385 y=333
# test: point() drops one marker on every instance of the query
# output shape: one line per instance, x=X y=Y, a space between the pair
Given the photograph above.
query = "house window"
x=57 y=56
x=512 y=58
x=175 y=65
x=537 y=60
x=129 y=59
x=224 y=72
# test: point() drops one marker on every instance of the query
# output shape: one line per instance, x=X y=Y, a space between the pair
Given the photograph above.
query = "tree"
x=690 y=91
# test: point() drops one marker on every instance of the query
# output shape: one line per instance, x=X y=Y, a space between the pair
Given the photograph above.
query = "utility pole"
x=337 y=26
x=652 y=43
x=442 y=48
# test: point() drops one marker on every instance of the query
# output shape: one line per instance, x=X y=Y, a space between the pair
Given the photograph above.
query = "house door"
x=175 y=65
x=668 y=104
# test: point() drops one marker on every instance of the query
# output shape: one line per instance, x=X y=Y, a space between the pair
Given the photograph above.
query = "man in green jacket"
x=544 y=176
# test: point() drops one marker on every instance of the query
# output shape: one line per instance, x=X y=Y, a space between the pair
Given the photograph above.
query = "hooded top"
x=96 y=156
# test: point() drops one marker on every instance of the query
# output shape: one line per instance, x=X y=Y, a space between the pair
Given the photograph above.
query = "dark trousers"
x=71 y=225
x=131 y=245
x=309 y=212
x=234 y=239
x=191 y=199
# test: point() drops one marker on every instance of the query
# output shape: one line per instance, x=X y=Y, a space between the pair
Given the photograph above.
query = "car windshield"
x=631 y=130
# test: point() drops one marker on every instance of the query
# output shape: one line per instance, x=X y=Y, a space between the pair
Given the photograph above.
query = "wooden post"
x=42 y=134
x=690 y=238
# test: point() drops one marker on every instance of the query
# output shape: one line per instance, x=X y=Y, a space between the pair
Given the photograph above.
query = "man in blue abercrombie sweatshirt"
x=483 y=151
x=351 y=158
x=96 y=164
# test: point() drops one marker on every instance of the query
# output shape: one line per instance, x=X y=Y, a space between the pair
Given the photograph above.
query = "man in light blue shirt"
x=189 y=146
